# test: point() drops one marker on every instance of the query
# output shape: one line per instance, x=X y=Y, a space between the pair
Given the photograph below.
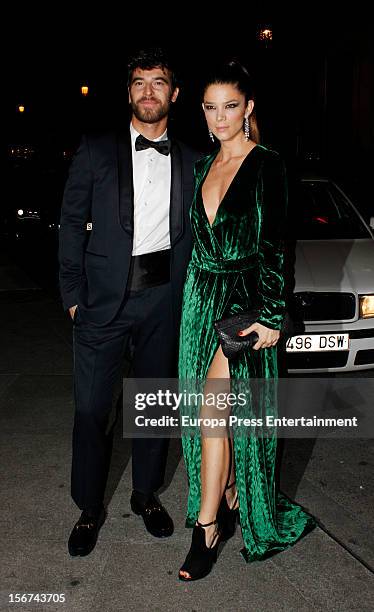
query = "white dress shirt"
x=152 y=182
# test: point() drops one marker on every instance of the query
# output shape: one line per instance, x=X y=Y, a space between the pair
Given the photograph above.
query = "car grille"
x=325 y=306
x=328 y=359
x=364 y=357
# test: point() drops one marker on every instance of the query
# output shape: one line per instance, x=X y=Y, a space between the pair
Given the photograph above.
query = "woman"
x=237 y=217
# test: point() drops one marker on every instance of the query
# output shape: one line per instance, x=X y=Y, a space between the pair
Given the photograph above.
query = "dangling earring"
x=211 y=135
x=246 y=128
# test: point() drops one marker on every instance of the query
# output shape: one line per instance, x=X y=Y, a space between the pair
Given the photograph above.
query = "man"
x=124 y=283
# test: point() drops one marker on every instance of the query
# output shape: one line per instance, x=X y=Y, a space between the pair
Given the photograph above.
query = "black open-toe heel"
x=227 y=517
x=200 y=558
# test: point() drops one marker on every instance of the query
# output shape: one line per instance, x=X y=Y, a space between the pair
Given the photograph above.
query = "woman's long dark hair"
x=234 y=73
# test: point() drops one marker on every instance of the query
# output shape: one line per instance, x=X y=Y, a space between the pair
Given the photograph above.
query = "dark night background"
x=314 y=81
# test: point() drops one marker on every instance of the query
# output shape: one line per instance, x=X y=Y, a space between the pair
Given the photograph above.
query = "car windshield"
x=319 y=211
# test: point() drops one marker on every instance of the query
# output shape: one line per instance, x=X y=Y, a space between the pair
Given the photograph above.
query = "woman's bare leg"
x=231 y=493
x=215 y=448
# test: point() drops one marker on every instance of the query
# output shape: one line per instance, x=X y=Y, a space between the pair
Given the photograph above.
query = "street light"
x=265 y=34
x=84 y=90
x=20 y=108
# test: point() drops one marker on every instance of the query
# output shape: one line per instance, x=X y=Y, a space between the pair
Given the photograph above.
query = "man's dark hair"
x=146 y=59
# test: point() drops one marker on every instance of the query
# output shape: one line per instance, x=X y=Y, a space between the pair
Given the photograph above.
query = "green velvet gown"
x=236 y=265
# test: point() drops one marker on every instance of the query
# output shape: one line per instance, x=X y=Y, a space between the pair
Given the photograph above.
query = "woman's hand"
x=266 y=337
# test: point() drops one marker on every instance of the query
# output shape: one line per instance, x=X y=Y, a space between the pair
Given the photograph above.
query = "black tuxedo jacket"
x=94 y=265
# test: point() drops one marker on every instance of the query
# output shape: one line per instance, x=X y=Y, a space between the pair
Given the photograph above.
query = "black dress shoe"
x=84 y=535
x=156 y=519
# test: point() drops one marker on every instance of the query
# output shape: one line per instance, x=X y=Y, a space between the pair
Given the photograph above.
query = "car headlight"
x=20 y=212
x=366 y=306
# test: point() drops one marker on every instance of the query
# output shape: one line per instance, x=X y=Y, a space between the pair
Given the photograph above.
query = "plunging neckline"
x=227 y=190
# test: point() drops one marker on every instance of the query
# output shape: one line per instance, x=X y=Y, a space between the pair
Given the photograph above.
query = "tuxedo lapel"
x=125 y=182
x=176 y=194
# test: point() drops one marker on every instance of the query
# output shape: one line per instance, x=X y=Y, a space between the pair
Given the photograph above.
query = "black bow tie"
x=162 y=146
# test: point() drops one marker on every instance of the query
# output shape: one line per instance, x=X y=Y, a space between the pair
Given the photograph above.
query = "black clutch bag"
x=232 y=344
x=227 y=330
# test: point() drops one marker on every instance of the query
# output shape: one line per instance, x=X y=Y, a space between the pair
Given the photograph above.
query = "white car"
x=334 y=281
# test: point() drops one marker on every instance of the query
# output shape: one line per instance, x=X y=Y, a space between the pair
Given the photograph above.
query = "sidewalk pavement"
x=129 y=569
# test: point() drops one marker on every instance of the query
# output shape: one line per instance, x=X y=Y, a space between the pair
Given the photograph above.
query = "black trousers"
x=146 y=320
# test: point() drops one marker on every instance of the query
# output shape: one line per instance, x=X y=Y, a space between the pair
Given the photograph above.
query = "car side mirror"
x=371 y=222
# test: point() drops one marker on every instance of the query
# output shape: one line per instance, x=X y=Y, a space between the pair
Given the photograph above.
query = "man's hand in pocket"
x=72 y=310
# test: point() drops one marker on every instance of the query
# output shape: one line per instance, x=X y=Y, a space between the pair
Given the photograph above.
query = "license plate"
x=318 y=342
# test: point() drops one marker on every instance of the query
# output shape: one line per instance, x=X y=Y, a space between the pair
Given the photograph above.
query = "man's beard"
x=150 y=115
